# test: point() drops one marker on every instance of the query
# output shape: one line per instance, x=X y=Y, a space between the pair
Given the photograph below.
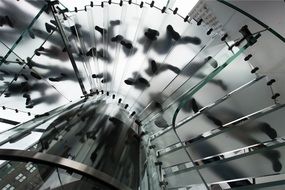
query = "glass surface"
x=225 y=111
x=89 y=131
x=23 y=83
x=247 y=166
x=150 y=67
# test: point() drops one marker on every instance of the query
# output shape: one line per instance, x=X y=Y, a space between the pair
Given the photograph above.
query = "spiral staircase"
x=142 y=95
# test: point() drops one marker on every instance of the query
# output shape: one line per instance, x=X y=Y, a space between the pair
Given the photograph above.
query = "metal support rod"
x=65 y=42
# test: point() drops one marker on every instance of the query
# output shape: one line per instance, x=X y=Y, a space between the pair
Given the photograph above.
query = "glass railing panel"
x=202 y=70
x=202 y=83
x=171 y=154
x=210 y=101
x=226 y=112
x=266 y=186
x=24 y=142
x=202 y=116
x=129 y=53
x=10 y=70
x=152 y=22
x=165 y=140
x=213 y=141
x=28 y=84
x=58 y=72
x=182 y=180
x=252 y=132
x=15 y=135
x=173 y=158
x=269 y=182
x=115 y=22
x=200 y=67
x=227 y=81
x=68 y=177
x=174 y=77
x=267 y=149
x=92 y=38
x=15 y=59
x=252 y=25
x=53 y=181
x=15 y=26
x=86 y=133
x=6 y=126
x=274 y=120
x=34 y=37
x=208 y=78
x=270 y=161
x=164 y=70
